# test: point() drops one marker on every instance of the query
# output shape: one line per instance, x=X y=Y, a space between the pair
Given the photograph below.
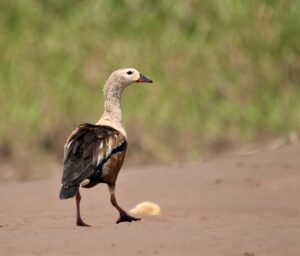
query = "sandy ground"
x=236 y=205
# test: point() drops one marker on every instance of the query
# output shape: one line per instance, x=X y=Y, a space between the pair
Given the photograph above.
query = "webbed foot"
x=127 y=218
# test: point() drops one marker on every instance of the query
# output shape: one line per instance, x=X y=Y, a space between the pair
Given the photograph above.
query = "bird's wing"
x=86 y=150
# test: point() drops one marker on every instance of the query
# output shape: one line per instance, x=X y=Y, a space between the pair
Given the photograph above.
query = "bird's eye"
x=129 y=72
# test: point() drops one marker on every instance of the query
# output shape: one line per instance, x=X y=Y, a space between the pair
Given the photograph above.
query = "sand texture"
x=236 y=205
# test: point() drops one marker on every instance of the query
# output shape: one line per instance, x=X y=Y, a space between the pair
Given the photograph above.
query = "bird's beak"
x=144 y=79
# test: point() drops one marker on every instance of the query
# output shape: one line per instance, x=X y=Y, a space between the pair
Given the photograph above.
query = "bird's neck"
x=112 y=115
x=112 y=106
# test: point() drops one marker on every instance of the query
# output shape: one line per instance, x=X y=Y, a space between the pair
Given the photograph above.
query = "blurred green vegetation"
x=225 y=72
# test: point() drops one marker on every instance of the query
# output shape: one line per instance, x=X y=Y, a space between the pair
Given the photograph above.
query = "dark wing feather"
x=87 y=148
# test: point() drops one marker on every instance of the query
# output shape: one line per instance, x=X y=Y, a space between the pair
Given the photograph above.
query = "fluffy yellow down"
x=146 y=209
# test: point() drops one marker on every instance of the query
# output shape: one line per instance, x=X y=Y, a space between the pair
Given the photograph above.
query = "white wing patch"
x=108 y=151
x=69 y=144
x=84 y=183
x=106 y=147
x=66 y=147
x=100 y=158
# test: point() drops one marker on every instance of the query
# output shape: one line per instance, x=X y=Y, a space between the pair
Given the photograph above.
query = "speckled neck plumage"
x=112 y=115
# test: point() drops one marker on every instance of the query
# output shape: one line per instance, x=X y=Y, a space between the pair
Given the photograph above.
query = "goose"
x=94 y=153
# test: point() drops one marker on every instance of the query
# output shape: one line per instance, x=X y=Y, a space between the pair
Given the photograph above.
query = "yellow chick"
x=146 y=209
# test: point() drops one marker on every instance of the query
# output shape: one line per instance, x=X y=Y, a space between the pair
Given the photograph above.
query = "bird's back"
x=87 y=153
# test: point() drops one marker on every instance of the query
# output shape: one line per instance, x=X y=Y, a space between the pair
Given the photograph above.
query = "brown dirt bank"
x=239 y=205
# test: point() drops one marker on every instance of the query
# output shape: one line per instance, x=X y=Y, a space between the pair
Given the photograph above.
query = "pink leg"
x=79 y=221
x=124 y=216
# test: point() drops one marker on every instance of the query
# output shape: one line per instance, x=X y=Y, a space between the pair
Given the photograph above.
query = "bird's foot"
x=80 y=223
x=125 y=217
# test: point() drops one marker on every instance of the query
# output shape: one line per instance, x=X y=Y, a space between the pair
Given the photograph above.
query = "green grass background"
x=226 y=72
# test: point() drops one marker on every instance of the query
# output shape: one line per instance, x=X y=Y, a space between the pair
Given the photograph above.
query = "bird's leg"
x=79 y=221
x=124 y=216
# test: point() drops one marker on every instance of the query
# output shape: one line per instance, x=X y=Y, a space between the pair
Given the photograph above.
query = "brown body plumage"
x=94 y=154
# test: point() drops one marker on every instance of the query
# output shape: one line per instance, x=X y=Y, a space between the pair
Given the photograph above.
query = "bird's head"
x=127 y=76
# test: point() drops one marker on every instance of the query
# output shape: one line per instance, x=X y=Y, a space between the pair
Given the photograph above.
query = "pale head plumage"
x=126 y=76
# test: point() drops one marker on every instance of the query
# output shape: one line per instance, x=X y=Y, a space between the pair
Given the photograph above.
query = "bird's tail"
x=68 y=192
